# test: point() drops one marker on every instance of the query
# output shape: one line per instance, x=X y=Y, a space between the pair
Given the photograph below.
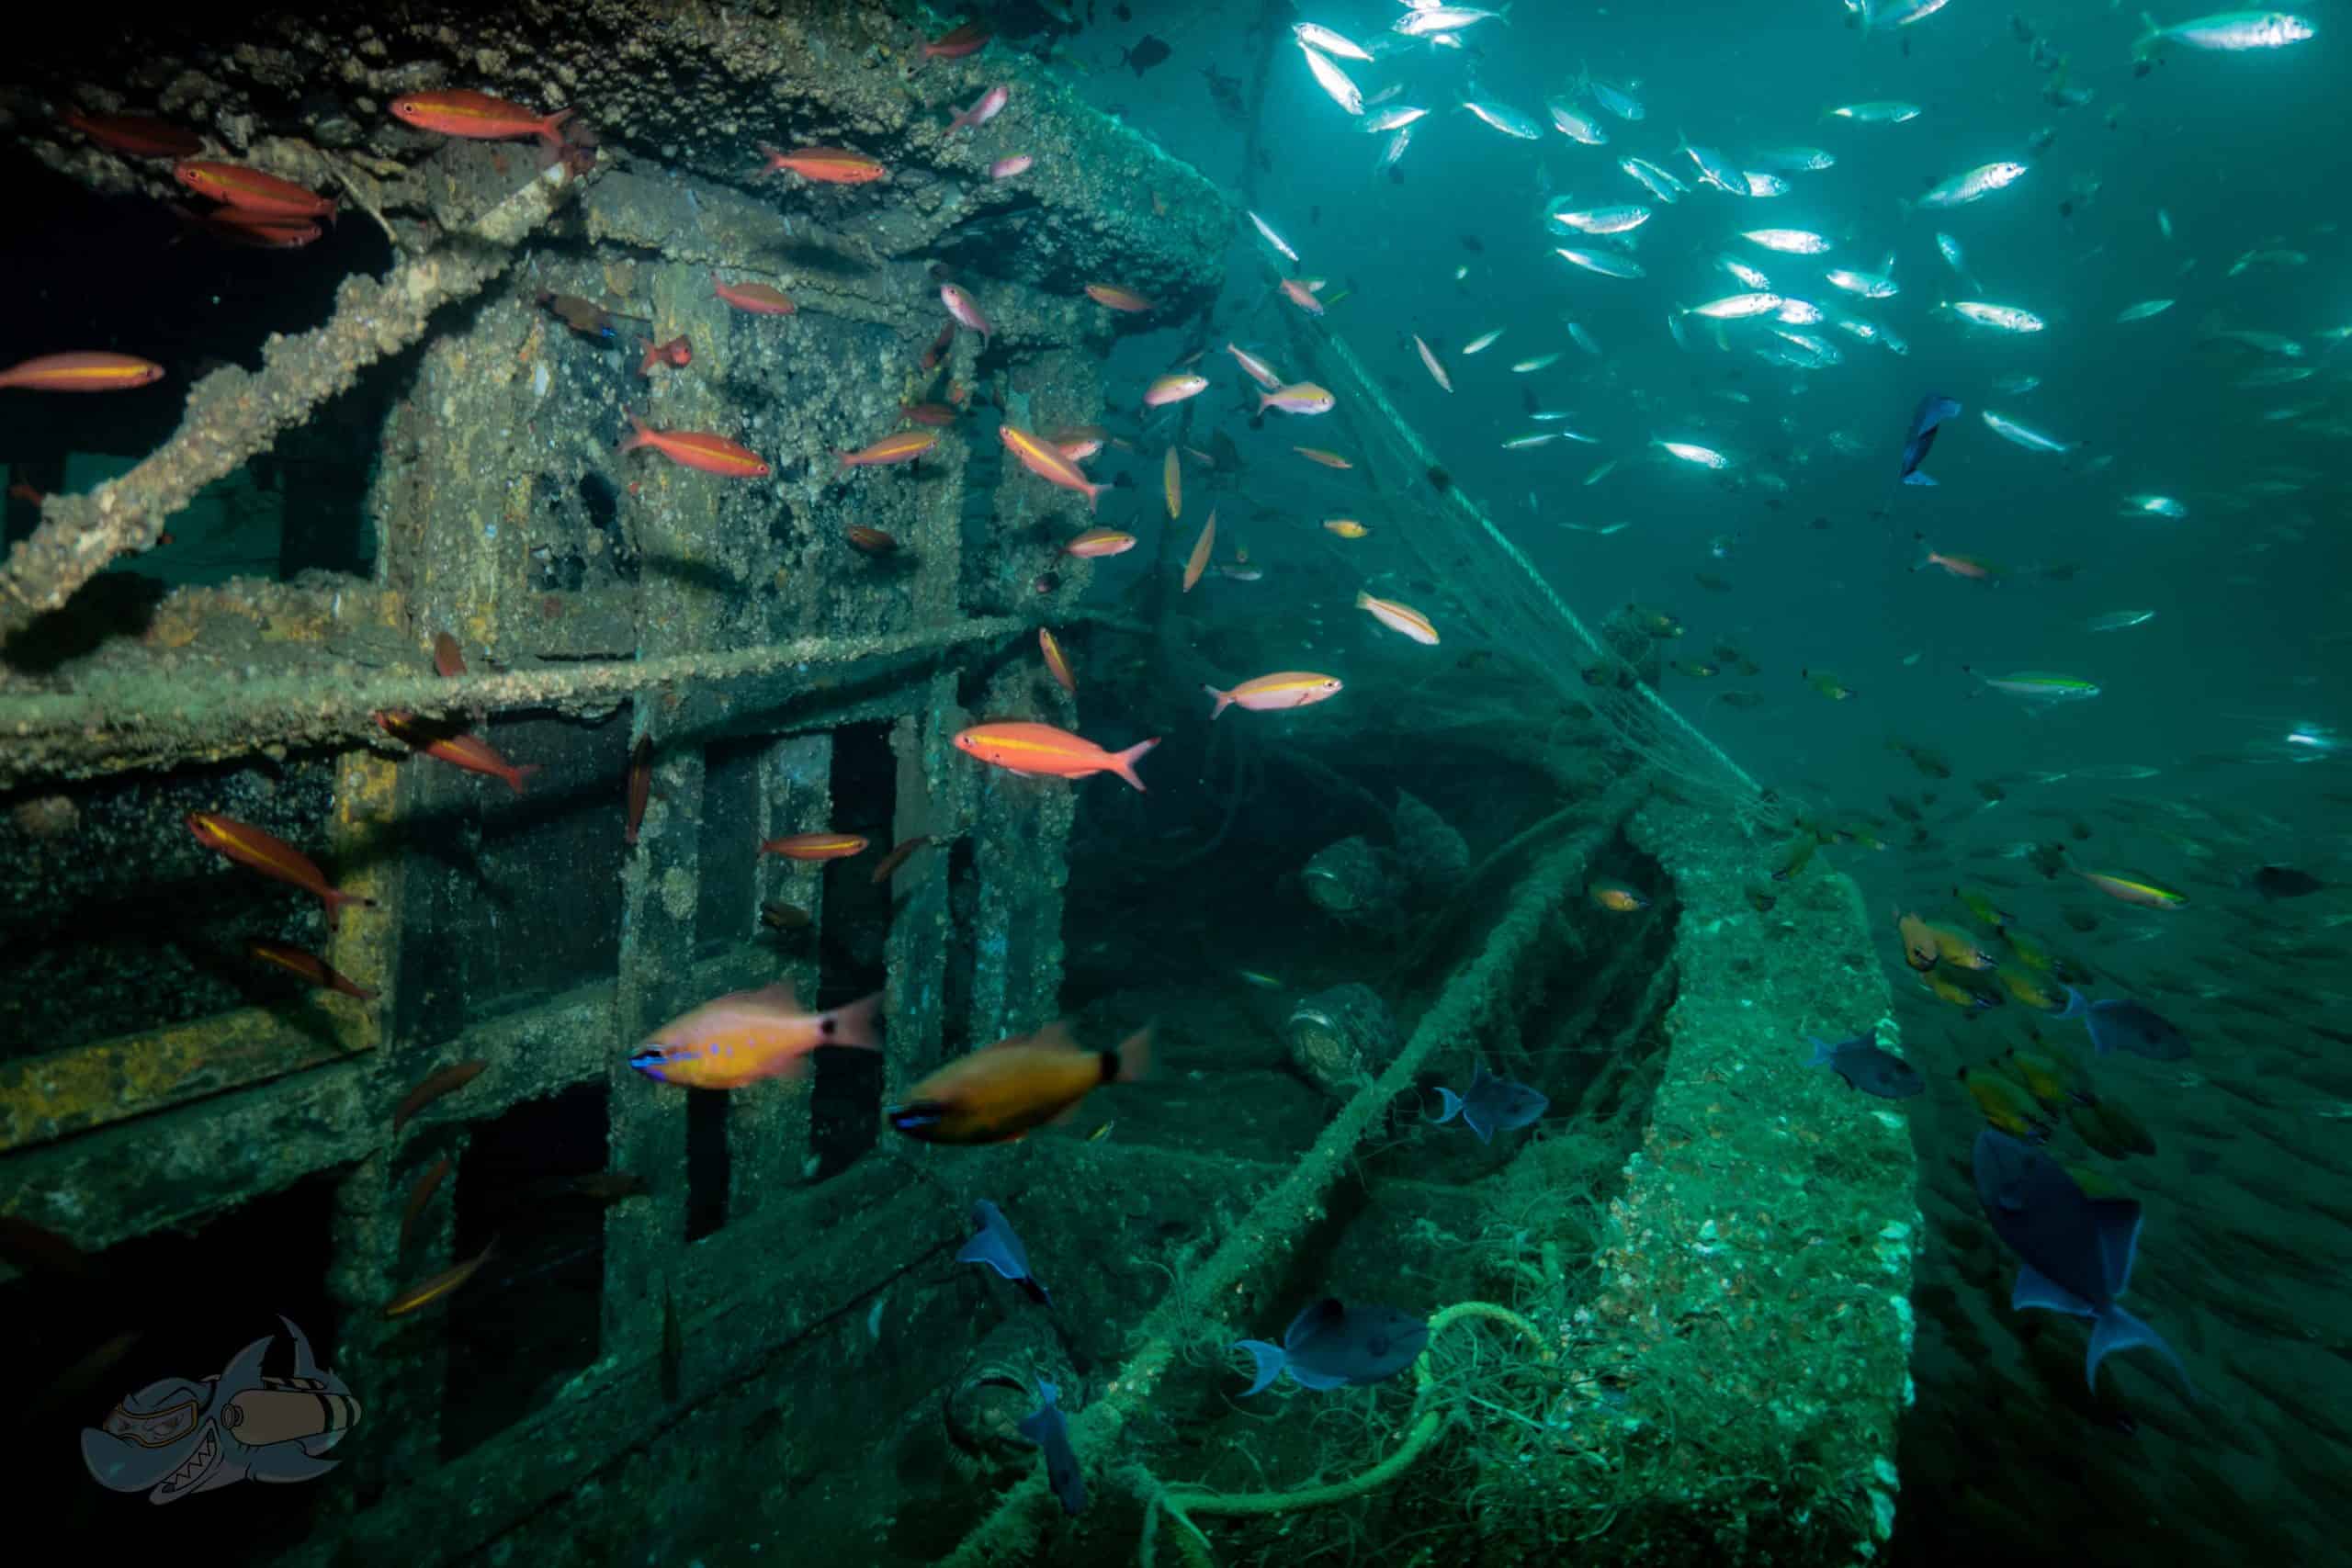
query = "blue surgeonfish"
x=1044 y=1427
x=1329 y=1344
x=1492 y=1105
x=2119 y=1023
x=997 y=1245
x=1933 y=409
x=2075 y=1252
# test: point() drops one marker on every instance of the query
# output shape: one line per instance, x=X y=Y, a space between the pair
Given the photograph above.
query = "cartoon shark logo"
x=175 y=1438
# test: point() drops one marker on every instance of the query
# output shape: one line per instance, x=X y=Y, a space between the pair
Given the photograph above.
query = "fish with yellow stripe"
x=1284 y=689
x=272 y=856
x=1002 y=1093
x=1039 y=751
x=745 y=1036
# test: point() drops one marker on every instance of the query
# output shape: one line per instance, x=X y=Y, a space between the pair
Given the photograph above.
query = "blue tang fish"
x=1866 y=1067
x=1933 y=409
x=2120 y=1024
x=1492 y=1105
x=2075 y=1252
x=997 y=1245
x=1045 y=1427
x=1329 y=1344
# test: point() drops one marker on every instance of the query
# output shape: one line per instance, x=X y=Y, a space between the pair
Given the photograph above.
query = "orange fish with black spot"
x=1002 y=1093
x=745 y=1036
x=272 y=856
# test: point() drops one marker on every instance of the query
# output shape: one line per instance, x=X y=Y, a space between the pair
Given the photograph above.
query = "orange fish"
x=309 y=966
x=477 y=116
x=939 y=346
x=890 y=864
x=1328 y=460
x=272 y=856
x=1048 y=463
x=639 y=786
x=446 y=657
x=1077 y=442
x=468 y=752
x=1286 y=689
x=815 y=846
x=1612 y=896
x=826 y=166
x=1000 y=1093
x=1119 y=298
x=970 y=39
x=745 y=1036
x=251 y=189
x=1300 y=291
x=22 y=491
x=1097 y=542
x=1039 y=751
x=1055 y=661
x=257 y=230
x=1171 y=481
x=1398 y=617
x=903 y=447
x=759 y=299
x=1956 y=566
x=677 y=353
x=136 y=136
x=695 y=449
x=1198 y=562
x=936 y=415
x=88 y=372
x=871 y=541
x=418 y=1196
x=447 y=1080
x=441 y=1285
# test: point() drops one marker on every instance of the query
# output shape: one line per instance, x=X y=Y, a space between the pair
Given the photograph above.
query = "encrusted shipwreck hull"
x=764 y=1337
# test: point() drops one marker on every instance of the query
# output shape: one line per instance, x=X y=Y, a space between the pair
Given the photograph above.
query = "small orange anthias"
x=468 y=752
x=272 y=856
x=677 y=354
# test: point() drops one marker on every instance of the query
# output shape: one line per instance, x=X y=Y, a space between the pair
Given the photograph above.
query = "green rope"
x=1181 y=1504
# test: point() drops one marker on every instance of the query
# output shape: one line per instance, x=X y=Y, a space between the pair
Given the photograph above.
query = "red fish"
x=468 y=752
x=759 y=299
x=676 y=353
x=309 y=966
x=933 y=414
x=748 y=1036
x=1117 y=299
x=827 y=165
x=272 y=856
x=447 y=658
x=640 y=785
x=81 y=373
x=891 y=862
x=1039 y=751
x=425 y=1293
x=1002 y=1092
x=696 y=449
x=939 y=347
x=444 y=1081
x=251 y=189
x=20 y=491
x=136 y=136
x=871 y=541
x=1098 y=542
x=477 y=116
x=992 y=104
x=1043 y=460
x=903 y=447
x=815 y=846
x=970 y=39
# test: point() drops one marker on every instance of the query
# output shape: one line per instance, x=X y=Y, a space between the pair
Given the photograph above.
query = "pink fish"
x=992 y=103
x=748 y=1035
x=966 y=309
x=1301 y=292
x=1005 y=168
x=1260 y=371
x=1270 y=693
x=1174 y=388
